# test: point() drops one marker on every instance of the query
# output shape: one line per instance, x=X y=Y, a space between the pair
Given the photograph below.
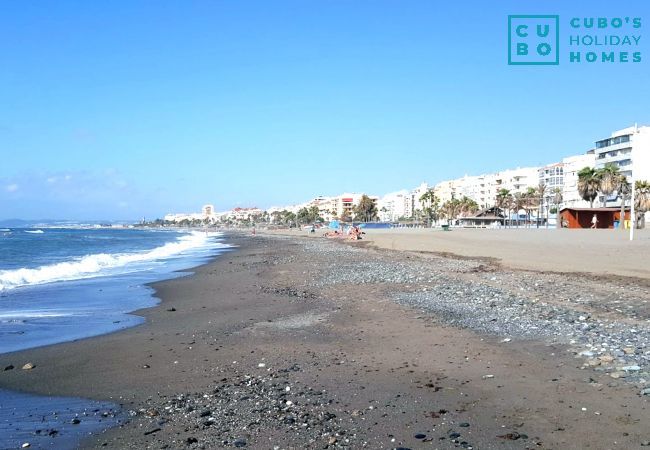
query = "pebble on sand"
x=29 y=366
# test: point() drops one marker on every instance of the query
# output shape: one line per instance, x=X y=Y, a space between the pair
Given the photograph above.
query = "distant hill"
x=15 y=223
x=20 y=223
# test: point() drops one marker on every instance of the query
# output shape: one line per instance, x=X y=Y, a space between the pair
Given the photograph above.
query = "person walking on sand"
x=594 y=221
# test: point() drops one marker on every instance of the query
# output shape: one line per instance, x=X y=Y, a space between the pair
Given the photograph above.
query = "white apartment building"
x=414 y=203
x=516 y=180
x=571 y=166
x=395 y=205
x=551 y=176
x=445 y=191
x=483 y=189
x=629 y=150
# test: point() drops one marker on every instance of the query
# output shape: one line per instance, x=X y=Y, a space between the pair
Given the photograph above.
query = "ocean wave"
x=20 y=316
x=35 y=231
x=104 y=263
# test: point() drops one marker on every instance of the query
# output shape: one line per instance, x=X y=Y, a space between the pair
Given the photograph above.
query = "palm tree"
x=366 y=210
x=468 y=206
x=609 y=177
x=503 y=201
x=429 y=205
x=588 y=184
x=530 y=203
x=641 y=201
x=450 y=209
x=557 y=200
x=624 y=190
x=518 y=202
x=541 y=190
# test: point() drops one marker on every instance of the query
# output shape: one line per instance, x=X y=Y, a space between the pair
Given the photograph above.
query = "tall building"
x=571 y=166
x=208 y=211
x=551 y=176
x=414 y=199
x=394 y=206
x=629 y=150
x=483 y=189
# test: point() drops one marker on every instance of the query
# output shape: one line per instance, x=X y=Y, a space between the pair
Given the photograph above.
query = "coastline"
x=211 y=364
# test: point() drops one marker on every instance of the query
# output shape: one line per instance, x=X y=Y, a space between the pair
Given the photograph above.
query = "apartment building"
x=483 y=189
x=629 y=150
x=395 y=205
x=571 y=166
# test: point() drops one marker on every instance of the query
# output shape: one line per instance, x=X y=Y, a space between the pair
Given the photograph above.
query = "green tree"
x=624 y=190
x=503 y=202
x=430 y=204
x=468 y=206
x=588 y=184
x=541 y=191
x=451 y=209
x=641 y=202
x=309 y=215
x=609 y=178
x=557 y=200
x=366 y=210
x=530 y=203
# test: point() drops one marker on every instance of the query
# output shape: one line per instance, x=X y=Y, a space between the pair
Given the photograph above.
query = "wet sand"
x=211 y=366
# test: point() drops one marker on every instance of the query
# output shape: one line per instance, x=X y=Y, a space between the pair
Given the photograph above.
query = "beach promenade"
x=296 y=341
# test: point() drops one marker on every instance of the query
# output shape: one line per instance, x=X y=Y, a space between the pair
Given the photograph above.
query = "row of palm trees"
x=530 y=200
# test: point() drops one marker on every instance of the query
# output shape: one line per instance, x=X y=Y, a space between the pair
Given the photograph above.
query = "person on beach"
x=594 y=221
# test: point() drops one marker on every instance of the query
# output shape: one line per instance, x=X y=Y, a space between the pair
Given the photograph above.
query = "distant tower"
x=208 y=211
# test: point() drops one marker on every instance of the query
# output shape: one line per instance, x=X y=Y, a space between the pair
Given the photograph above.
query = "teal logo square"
x=534 y=40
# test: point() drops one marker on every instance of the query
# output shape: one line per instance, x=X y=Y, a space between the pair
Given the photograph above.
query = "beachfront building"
x=395 y=206
x=551 y=178
x=414 y=204
x=571 y=166
x=483 y=189
x=629 y=150
x=344 y=204
x=326 y=207
x=445 y=191
x=584 y=217
x=208 y=210
x=517 y=180
x=245 y=213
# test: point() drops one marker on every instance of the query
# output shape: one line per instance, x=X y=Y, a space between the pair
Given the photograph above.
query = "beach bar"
x=582 y=217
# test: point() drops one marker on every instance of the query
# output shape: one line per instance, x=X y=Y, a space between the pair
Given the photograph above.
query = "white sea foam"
x=4 y=229
x=12 y=316
x=35 y=231
x=103 y=263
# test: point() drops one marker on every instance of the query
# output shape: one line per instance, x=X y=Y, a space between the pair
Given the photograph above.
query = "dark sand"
x=386 y=373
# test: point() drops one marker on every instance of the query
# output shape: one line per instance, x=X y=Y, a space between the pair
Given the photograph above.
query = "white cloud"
x=12 y=187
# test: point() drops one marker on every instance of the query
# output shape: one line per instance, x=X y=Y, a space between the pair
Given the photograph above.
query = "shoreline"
x=366 y=363
x=81 y=411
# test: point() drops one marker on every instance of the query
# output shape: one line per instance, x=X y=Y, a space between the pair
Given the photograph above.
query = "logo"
x=534 y=40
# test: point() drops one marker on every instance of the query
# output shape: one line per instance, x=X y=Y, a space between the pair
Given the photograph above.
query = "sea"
x=64 y=284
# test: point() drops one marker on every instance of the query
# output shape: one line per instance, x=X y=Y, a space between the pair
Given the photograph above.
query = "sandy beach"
x=304 y=342
x=589 y=251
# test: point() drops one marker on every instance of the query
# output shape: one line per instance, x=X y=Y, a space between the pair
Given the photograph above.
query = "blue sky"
x=122 y=109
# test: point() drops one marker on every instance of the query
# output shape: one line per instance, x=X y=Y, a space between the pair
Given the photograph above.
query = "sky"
x=123 y=109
